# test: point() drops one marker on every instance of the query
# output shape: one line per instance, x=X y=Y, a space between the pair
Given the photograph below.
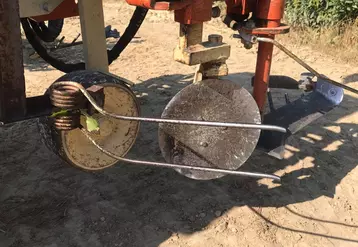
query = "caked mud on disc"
x=217 y=147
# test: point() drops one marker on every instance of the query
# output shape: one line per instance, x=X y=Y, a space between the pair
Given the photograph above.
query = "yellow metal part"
x=93 y=33
x=192 y=51
x=114 y=135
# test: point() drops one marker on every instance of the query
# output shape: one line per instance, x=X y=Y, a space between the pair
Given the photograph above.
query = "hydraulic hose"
x=131 y=30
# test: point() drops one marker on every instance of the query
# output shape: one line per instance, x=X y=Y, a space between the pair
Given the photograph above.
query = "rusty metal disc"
x=226 y=148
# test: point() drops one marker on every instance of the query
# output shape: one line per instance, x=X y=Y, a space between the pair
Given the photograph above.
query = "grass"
x=340 y=41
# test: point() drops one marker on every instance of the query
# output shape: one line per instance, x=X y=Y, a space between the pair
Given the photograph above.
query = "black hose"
x=47 y=33
x=34 y=40
x=131 y=30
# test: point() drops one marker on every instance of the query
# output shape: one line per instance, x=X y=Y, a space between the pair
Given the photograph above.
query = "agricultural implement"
x=209 y=129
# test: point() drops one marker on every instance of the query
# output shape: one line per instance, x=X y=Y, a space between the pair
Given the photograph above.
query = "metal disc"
x=209 y=100
x=115 y=135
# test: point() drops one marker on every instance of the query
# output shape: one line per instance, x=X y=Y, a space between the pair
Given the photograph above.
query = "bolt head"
x=247 y=45
x=45 y=6
x=215 y=38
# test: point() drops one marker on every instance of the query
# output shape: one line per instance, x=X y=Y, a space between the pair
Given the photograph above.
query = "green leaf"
x=92 y=124
x=59 y=113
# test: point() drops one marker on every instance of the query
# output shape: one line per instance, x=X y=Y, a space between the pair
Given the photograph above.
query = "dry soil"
x=45 y=202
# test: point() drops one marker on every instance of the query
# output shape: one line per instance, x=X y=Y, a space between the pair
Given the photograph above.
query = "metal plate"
x=298 y=114
x=331 y=92
x=209 y=100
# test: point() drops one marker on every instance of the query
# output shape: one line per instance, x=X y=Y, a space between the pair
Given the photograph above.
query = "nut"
x=215 y=38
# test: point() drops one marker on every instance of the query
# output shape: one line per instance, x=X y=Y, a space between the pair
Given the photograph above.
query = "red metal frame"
x=152 y=4
x=268 y=15
x=197 y=12
x=269 y=12
x=241 y=7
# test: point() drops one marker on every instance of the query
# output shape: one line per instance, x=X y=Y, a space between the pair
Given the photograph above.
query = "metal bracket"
x=37 y=7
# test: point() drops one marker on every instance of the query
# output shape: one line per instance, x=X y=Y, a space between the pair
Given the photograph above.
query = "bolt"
x=204 y=144
x=332 y=92
x=247 y=45
x=45 y=6
x=250 y=24
x=215 y=38
x=215 y=12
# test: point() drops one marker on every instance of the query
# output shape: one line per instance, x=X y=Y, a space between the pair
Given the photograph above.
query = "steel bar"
x=168 y=165
x=269 y=14
x=39 y=106
x=305 y=65
x=262 y=74
x=168 y=121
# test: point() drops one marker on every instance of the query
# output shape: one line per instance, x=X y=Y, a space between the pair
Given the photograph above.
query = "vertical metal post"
x=93 y=34
x=12 y=81
x=262 y=73
x=269 y=12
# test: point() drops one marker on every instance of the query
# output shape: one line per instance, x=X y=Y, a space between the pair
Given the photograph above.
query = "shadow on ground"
x=44 y=201
x=70 y=55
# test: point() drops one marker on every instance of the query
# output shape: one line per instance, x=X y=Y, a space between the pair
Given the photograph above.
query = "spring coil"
x=67 y=98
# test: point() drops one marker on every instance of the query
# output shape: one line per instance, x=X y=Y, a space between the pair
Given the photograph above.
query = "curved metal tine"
x=169 y=121
x=168 y=165
x=305 y=65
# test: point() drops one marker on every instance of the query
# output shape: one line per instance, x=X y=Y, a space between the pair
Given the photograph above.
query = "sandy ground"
x=45 y=202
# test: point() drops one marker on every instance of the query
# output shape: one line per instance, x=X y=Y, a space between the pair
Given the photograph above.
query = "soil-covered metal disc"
x=114 y=135
x=226 y=148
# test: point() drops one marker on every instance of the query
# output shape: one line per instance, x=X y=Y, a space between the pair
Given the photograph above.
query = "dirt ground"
x=45 y=202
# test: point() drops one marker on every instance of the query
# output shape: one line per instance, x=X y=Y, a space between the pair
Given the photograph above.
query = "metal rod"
x=269 y=14
x=168 y=165
x=66 y=46
x=305 y=65
x=60 y=42
x=75 y=39
x=169 y=121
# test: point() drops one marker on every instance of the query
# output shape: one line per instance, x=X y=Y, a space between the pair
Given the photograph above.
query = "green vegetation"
x=321 y=13
x=328 y=26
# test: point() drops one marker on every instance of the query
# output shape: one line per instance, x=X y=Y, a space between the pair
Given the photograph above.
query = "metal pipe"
x=262 y=74
x=168 y=121
x=266 y=40
x=175 y=166
x=269 y=14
